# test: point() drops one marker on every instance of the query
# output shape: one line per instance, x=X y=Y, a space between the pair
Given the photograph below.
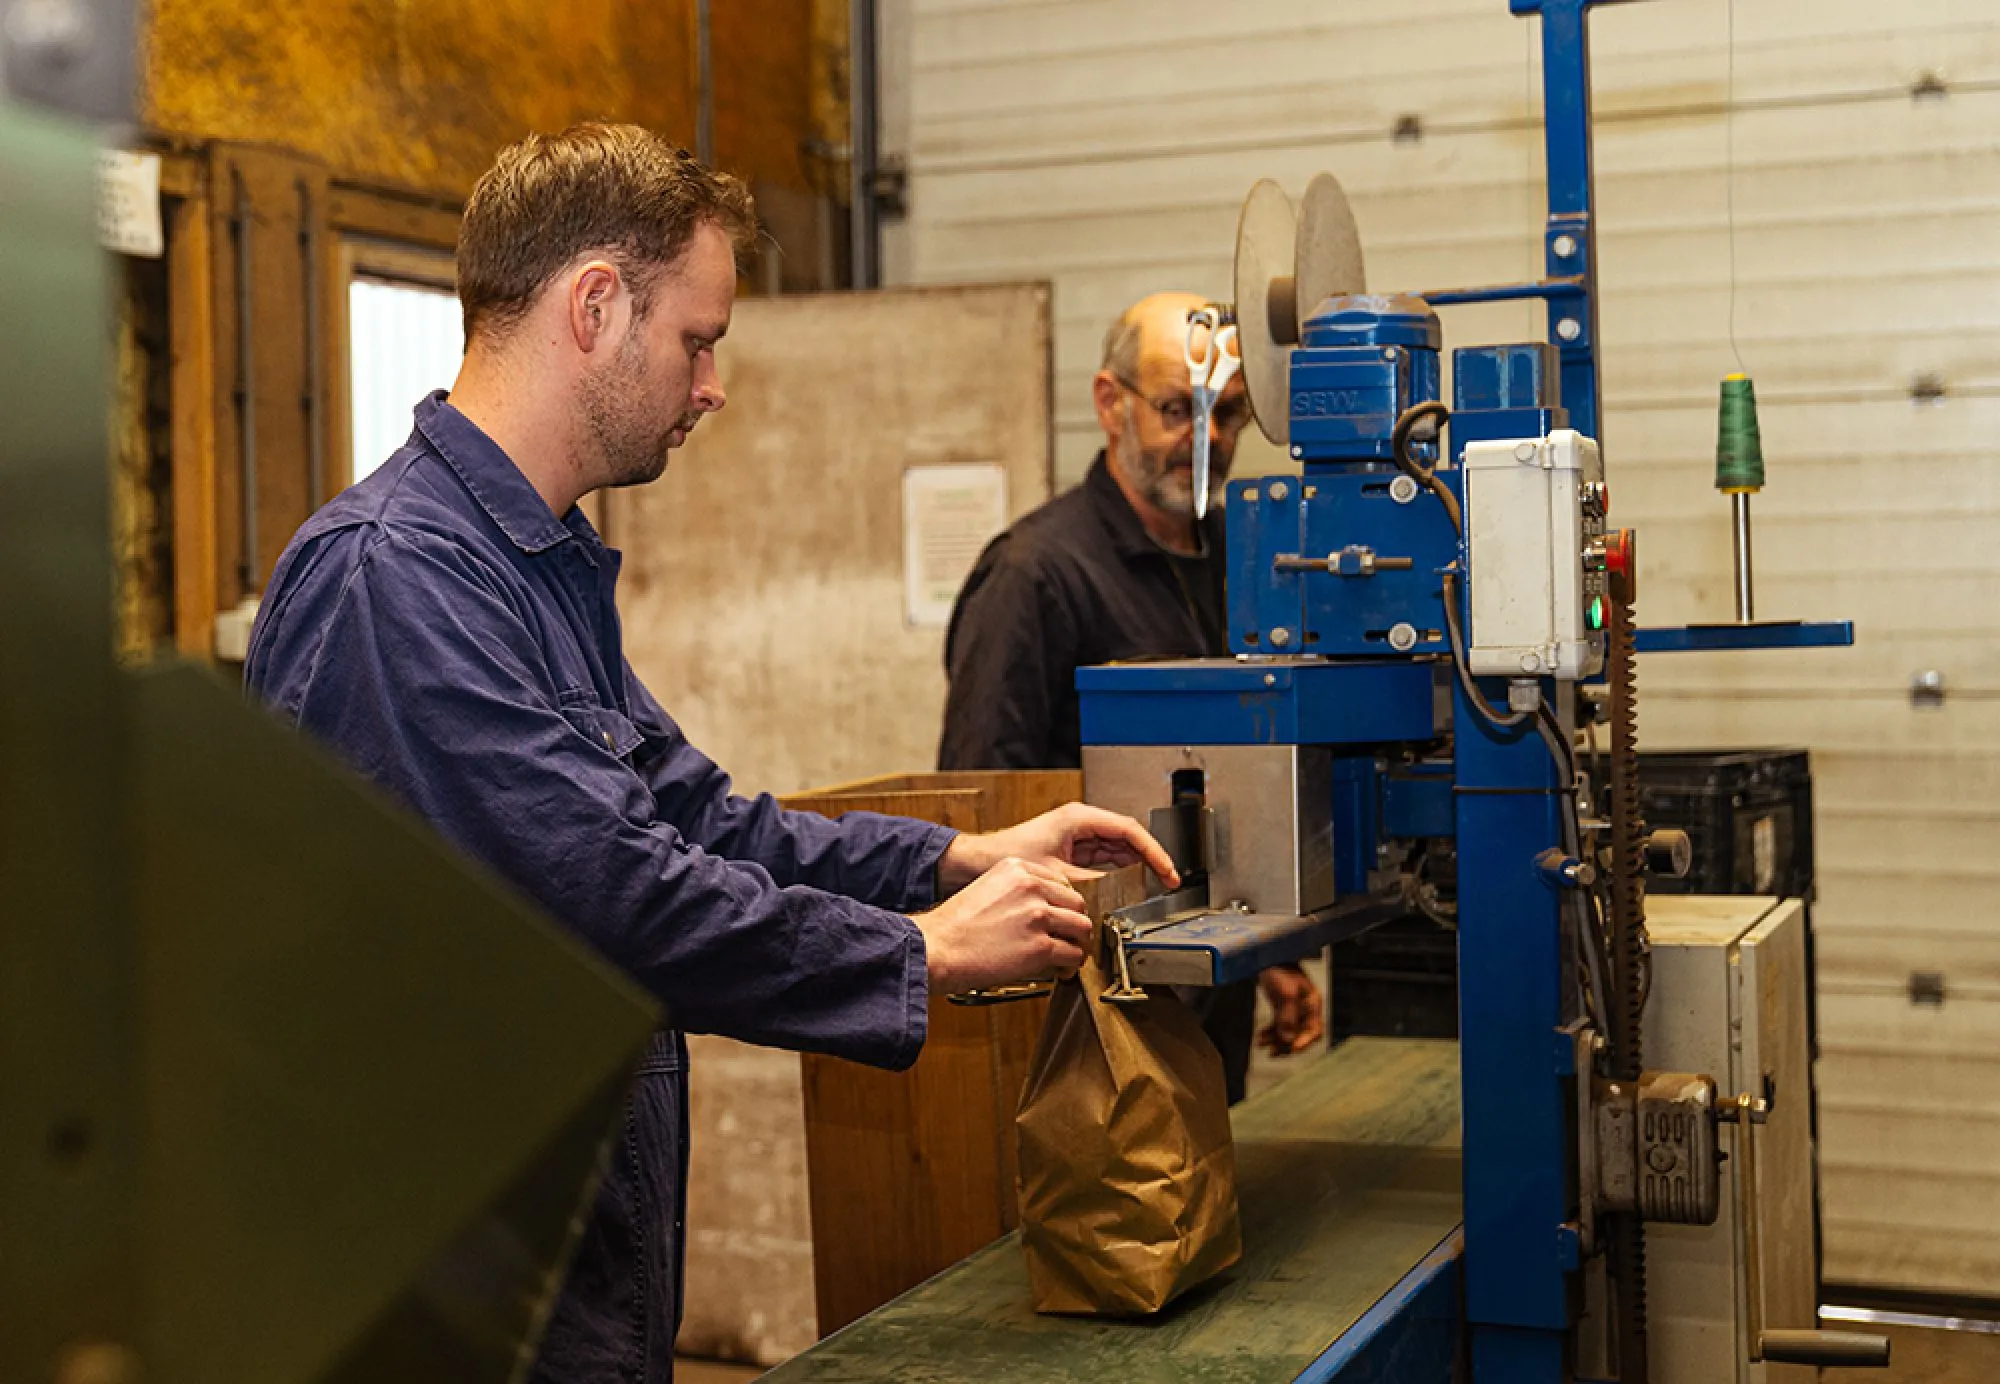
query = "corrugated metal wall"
x=1107 y=144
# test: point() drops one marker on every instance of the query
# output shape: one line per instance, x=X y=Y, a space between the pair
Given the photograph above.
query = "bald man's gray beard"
x=1167 y=479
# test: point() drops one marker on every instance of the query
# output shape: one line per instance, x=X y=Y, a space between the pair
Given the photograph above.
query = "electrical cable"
x=1560 y=751
x=1597 y=961
x=1581 y=903
x=1400 y=438
x=1596 y=754
x=1498 y=719
x=1422 y=895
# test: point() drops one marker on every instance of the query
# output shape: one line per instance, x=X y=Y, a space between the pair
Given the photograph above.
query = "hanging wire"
x=1530 y=36
x=1729 y=183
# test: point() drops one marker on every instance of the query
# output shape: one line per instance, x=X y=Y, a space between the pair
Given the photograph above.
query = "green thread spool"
x=1739 y=451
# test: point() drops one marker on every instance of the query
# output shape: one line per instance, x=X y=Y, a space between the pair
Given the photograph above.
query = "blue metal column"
x=1520 y=1255
x=1518 y=1103
x=1570 y=241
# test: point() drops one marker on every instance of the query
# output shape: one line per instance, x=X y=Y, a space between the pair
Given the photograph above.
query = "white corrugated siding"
x=1106 y=145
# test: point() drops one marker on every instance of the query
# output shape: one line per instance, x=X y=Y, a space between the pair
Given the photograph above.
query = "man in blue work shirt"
x=448 y=627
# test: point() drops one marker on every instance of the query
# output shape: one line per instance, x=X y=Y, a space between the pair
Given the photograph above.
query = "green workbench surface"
x=1347 y=1175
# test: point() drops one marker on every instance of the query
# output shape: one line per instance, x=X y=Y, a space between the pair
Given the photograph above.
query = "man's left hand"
x=1077 y=840
x=1297 y=1017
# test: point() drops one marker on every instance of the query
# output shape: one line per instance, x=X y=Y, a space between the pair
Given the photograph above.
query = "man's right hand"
x=1018 y=921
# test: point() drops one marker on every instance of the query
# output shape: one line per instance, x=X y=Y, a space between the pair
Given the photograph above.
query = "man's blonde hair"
x=615 y=189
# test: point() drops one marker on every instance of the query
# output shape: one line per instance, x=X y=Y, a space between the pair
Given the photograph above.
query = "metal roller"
x=1326 y=262
x=1267 y=317
x=1287 y=265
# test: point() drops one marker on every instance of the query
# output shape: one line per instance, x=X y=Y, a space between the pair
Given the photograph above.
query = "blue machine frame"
x=1341 y=654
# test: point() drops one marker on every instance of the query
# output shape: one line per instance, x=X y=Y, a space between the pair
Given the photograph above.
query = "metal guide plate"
x=1219 y=948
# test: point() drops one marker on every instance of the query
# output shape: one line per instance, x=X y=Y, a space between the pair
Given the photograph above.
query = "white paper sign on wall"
x=950 y=514
x=128 y=203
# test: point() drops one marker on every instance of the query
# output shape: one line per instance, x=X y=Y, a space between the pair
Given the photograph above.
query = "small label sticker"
x=1764 y=852
x=128 y=204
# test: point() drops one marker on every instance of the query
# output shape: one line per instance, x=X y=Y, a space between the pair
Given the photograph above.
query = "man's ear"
x=1104 y=395
x=595 y=290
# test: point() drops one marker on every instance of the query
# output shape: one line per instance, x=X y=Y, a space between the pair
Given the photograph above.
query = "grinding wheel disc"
x=1328 y=259
x=1267 y=320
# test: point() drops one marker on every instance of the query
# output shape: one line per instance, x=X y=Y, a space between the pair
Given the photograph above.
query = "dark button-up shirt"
x=1080 y=582
x=456 y=642
x=1076 y=583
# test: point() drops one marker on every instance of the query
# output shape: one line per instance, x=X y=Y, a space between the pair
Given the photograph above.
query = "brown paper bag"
x=1128 y=1171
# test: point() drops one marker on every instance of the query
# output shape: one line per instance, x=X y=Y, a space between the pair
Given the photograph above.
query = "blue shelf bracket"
x=1766 y=634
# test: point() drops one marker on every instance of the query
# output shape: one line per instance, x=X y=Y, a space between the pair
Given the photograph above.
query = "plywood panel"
x=762 y=592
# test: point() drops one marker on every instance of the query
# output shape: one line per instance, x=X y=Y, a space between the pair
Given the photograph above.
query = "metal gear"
x=1626 y=885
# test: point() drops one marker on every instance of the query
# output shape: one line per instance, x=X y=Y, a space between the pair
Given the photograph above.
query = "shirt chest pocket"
x=603 y=726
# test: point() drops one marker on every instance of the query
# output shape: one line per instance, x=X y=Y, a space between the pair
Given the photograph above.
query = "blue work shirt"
x=446 y=634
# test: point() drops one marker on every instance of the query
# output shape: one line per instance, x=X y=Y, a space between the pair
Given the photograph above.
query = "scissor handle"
x=1200 y=366
x=1004 y=994
x=1228 y=360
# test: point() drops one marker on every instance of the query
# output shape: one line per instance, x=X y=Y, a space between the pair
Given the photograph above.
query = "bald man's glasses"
x=1176 y=411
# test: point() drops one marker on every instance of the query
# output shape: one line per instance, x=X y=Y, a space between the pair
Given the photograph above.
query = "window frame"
x=354 y=228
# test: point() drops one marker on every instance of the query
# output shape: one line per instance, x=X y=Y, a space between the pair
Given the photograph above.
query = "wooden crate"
x=909 y=1172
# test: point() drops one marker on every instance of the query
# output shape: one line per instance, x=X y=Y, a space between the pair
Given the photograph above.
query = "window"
x=404 y=340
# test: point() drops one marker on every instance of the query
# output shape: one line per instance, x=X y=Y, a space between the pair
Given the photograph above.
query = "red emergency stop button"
x=1621 y=552
x=1621 y=558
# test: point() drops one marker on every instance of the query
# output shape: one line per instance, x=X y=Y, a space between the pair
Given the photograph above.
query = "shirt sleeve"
x=425 y=674
x=887 y=861
x=1009 y=645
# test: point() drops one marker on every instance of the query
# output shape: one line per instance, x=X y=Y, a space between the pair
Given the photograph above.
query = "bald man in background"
x=1118 y=568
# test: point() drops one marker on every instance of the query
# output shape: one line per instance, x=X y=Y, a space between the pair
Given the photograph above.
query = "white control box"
x=1533 y=506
